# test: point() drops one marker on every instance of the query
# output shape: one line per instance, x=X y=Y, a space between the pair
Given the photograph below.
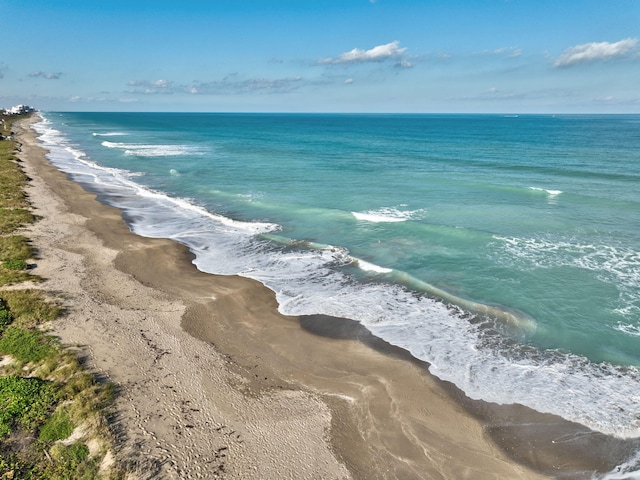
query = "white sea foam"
x=628 y=310
x=371 y=267
x=617 y=266
x=153 y=150
x=629 y=329
x=628 y=470
x=601 y=396
x=109 y=134
x=552 y=193
x=74 y=161
x=620 y=263
x=387 y=215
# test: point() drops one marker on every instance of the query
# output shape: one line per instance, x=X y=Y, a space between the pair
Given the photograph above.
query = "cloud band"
x=595 y=51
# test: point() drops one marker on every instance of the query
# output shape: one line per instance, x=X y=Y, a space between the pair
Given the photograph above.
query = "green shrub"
x=13 y=218
x=26 y=402
x=73 y=454
x=11 y=277
x=58 y=427
x=5 y=319
x=71 y=462
x=11 y=466
x=15 y=247
x=15 y=264
x=30 y=306
x=26 y=345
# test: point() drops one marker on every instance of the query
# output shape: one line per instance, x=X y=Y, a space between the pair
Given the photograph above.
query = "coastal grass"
x=26 y=345
x=15 y=213
x=12 y=274
x=51 y=408
x=6 y=317
x=30 y=307
x=14 y=204
x=15 y=247
x=57 y=427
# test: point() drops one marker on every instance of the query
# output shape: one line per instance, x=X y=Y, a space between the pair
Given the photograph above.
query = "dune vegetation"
x=53 y=413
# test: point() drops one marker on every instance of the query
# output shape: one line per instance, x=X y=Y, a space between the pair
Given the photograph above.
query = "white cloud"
x=404 y=64
x=379 y=53
x=508 y=52
x=46 y=75
x=515 y=53
x=232 y=83
x=91 y=100
x=595 y=51
x=152 y=86
x=161 y=83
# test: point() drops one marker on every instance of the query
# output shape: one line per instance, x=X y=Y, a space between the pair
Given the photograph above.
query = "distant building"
x=17 y=110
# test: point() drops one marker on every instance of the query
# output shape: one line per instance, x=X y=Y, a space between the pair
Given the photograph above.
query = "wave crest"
x=388 y=215
x=153 y=150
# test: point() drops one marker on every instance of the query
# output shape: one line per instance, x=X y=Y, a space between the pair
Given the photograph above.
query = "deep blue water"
x=503 y=250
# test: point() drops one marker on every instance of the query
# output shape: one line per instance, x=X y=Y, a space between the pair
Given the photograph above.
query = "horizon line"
x=508 y=114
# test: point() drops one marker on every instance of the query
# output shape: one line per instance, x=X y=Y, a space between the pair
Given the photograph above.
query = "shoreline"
x=250 y=393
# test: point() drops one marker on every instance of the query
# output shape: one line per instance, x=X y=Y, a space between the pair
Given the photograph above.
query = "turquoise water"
x=503 y=250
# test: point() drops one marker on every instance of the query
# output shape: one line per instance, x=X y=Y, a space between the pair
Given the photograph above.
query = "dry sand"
x=214 y=382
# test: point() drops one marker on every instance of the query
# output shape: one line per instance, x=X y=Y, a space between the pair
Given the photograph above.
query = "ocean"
x=503 y=250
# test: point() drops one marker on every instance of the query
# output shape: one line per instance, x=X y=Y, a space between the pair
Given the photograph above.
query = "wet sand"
x=214 y=382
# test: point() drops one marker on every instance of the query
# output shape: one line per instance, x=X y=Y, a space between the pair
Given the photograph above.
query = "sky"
x=366 y=56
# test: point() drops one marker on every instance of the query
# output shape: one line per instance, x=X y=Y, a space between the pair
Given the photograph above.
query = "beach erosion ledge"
x=213 y=381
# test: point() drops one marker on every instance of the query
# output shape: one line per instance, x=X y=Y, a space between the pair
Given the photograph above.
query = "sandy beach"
x=213 y=382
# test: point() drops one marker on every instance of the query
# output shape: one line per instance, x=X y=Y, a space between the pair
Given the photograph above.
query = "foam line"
x=512 y=318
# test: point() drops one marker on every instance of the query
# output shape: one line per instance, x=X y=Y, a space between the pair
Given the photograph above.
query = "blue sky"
x=499 y=56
